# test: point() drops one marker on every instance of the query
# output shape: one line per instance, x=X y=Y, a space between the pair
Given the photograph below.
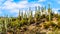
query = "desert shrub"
x=15 y=24
x=37 y=32
x=47 y=24
x=24 y=22
x=59 y=23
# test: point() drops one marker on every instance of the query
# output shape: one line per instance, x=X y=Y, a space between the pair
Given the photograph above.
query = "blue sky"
x=11 y=7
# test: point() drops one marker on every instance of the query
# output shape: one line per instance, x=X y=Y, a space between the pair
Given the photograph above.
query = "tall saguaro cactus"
x=6 y=25
x=39 y=8
x=19 y=15
x=35 y=8
x=30 y=16
x=30 y=12
x=22 y=14
x=37 y=13
x=49 y=12
x=25 y=15
x=5 y=22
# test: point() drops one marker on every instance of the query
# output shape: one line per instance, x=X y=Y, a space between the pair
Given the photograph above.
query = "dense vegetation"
x=44 y=21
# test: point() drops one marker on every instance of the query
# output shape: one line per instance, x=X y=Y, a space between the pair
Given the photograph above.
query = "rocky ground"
x=37 y=29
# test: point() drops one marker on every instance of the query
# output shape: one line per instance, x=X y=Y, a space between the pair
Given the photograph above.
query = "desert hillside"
x=44 y=21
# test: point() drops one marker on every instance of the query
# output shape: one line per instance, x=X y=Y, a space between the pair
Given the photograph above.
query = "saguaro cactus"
x=37 y=13
x=38 y=8
x=30 y=16
x=6 y=25
x=49 y=12
x=22 y=14
x=25 y=15
x=19 y=16
x=5 y=22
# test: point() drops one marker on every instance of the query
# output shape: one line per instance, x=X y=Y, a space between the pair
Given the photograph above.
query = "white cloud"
x=55 y=10
x=14 y=11
x=58 y=1
x=36 y=4
x=1 y=1
x=41 y=0
x=9 y=5
x=14 y=7
x=0 y=12
x=23 y=2
x=10 y=0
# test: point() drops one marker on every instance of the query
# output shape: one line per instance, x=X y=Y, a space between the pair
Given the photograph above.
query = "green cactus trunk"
x=4 y=27
x=49 y=17
x=49 y=12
